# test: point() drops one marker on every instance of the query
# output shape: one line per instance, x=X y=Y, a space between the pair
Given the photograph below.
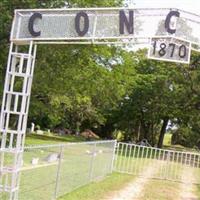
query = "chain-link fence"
x=54 y=170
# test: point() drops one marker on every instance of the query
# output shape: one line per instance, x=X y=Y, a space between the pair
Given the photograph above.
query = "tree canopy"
x=108 y=88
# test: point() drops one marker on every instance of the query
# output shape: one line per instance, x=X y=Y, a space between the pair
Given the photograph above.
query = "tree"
x=72 y=86
x=155 y=99
x=187 y=132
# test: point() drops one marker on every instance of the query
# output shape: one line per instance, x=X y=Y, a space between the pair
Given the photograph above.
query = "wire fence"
x=52 y=171
x=165 y=164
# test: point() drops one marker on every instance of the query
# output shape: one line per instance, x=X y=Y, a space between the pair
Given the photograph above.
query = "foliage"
x=34 y=139
x=108 y=88
x=119 y=135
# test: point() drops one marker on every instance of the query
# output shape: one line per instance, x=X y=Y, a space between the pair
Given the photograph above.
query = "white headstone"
x=32 y=127
x=35 y=161
x=39 y=132
x=52 y=157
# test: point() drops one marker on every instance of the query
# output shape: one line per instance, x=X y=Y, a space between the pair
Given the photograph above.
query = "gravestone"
x=32 y=127
x=52 y=157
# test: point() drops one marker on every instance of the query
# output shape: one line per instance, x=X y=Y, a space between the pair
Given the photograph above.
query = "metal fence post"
x=92 y=163
x=114 y=156
x=167 y=174
x=58 y=172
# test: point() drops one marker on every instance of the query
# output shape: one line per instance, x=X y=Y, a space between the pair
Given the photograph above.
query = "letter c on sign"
x=168 y=20
x=31 y=24
x=85 y=26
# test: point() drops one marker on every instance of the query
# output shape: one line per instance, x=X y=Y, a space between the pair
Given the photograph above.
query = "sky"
x=188 y=5
x=192 y=6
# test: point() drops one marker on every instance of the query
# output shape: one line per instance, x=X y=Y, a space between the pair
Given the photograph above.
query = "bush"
x=118 y=135
x=185 y=136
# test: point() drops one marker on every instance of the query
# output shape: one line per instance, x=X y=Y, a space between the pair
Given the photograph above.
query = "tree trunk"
x=152 y=135
x=138 y=132
x=145 y=131
x=162 y=132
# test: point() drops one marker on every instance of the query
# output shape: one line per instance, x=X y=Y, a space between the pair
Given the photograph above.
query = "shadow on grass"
x=44 y=139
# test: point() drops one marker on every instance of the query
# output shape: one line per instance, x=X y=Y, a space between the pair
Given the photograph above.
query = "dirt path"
x=187 y=190
x=133 y=190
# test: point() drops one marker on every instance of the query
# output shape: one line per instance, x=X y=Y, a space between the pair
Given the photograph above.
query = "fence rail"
x=165 y=164
x=51 y=171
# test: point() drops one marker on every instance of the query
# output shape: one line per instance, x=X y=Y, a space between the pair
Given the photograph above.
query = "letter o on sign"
x=85 y=23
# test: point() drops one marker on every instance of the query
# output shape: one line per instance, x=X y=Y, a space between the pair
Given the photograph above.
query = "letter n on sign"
x=127 y=22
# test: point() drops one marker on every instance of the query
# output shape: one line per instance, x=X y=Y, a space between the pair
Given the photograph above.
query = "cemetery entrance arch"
x=169 y=33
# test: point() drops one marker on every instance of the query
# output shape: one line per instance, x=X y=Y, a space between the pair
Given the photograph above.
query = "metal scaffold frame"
x=15 y=106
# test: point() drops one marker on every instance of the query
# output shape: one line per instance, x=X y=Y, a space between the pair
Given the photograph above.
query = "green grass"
x=197 y=190
x=167 y=139
x=99 y=190
x=161 y=190
x=197 y=186
x=167 y=145
x=34 y=139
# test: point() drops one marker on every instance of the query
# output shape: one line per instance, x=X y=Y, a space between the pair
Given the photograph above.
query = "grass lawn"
x=167 y=139
x=197 y=186
x=99 y=190
x=197 y=190
x=167 y=145
x=161 y=190
x=34 y=139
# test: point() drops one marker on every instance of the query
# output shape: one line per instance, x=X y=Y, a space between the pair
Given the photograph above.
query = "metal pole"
x=163 y=165
x=176 y=165
x=129 y=158
x=142 y=160
x=133 y=160
x=58 y=172
x=168 y=165
x=173 y=166
x=125 y=158
x=114 y=157
x=92 y=163
x=137 y=161
x=121 y=156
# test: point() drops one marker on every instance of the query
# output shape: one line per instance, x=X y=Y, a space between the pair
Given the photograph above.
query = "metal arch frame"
x=118 y=42
x=16 y=103
x=98 y=39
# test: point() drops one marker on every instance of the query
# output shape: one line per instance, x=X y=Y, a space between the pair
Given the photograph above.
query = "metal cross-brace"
x=14 y=114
